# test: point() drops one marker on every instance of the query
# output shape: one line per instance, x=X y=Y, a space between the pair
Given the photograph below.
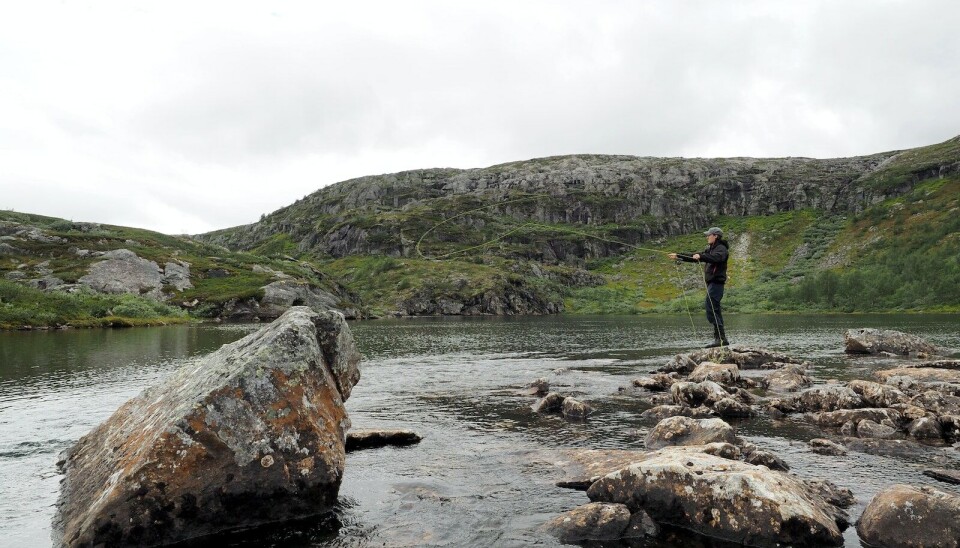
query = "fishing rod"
x=533 y=224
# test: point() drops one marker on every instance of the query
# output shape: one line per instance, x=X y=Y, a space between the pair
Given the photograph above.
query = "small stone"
x=823 y=446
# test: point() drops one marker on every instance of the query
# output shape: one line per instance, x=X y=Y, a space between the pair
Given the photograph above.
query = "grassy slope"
x=20 y=305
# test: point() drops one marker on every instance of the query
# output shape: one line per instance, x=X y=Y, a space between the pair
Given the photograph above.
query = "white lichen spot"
x=266 y=461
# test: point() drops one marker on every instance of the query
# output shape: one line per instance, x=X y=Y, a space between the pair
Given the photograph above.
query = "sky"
x=185 y=117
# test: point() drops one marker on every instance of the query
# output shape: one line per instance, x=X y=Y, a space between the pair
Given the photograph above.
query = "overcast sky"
x=188 y=117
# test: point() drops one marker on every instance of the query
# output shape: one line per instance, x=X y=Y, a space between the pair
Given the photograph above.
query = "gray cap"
x=715 y=230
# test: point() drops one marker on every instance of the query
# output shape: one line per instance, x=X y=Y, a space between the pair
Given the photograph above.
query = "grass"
x=21 y=305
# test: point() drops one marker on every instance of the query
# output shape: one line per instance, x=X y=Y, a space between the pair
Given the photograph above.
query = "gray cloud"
x=192 y=120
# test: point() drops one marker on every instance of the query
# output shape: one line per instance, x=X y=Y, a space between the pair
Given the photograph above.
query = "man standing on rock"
x=714 y=275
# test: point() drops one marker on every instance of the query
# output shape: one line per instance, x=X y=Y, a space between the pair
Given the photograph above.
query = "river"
x=483 y=475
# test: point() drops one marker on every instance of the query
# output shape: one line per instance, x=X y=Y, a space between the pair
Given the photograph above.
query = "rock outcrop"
x=903 y=515
x=122 y=271
x=875 y=341
x=250 y=434
x=724 y=499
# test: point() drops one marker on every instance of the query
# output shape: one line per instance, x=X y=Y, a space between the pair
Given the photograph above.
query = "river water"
x=484 y=473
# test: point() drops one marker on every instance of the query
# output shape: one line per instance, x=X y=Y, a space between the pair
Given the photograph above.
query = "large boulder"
x=875 y=341
x=724 y=499
x=903 y=515
x=681 y=430
x=250 y=434
x=281 y=295
x=122 y=271
x=877 y=395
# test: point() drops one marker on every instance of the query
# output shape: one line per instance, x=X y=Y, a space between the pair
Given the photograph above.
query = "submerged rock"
x=250 y=434
x=724 y=499
x=575 y=409
x=903 y=515
x=824 y=446
x=875 y=341
x=372 y=439
x=601 y=521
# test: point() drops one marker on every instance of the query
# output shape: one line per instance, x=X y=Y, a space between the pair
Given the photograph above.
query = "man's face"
x=711 y=238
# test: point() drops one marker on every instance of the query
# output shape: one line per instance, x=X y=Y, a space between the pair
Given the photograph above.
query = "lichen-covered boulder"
x=789 y=378
x=877 y=395
x=722 y=373
x=250 y=434
x=875 y=341
x=688 y=431
x=903 y=515
x=724 y=499
x=828 y=398
x=694 y=394
x=122 y=271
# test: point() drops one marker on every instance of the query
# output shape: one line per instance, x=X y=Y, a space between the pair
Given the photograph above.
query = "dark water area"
x=484 y=474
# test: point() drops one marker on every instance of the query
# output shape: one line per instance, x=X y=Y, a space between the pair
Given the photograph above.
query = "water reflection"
x=483 y=475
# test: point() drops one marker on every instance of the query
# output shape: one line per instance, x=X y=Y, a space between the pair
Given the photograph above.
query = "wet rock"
x=925 y=428
x=901 y=382
x=372 y=439
x=842 y=416
x=723 y=499
x=731 y=408
x=550 y=403
x=870 y=429
x=790 y=378
x=937 y=402
x=840 y=497
x=250 y=434
x=575 y=409
x=695 y=394
x=946 y=476
x=744 y=357
x=823 y=446
x=903 y=515
x=600 y=521
x=123 y=271
x=689 y=431
x=921 y=374
x=895 y=448
x=721 y=373
x=875 y=341
x=656 y=383
x=723 y=450
x=828 y=398
x=539 y=387
x=877 y=395
x=768 y=459
x=661 y=412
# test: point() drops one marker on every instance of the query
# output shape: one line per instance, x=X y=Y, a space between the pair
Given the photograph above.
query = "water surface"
x=484 y=474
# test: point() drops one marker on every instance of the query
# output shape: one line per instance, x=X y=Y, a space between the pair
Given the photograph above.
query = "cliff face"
x=646 y=197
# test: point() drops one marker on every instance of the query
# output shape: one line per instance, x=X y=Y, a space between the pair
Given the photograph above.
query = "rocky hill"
x=573 y=232
x=56 y=272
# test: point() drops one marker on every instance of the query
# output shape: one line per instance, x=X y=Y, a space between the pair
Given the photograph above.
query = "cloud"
x=190 y=117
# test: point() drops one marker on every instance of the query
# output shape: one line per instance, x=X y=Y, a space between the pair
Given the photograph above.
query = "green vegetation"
x=21 y=305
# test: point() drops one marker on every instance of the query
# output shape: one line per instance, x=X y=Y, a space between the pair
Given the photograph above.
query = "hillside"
x=55 y=272
x=583 y=233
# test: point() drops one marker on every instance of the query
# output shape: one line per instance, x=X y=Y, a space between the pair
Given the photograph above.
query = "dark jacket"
x=715 y=256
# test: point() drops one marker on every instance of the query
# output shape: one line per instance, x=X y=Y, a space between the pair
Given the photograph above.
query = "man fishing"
x=715 y=275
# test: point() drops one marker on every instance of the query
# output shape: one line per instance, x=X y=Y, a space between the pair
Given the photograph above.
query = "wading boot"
x=722 y=336
x=716 y=338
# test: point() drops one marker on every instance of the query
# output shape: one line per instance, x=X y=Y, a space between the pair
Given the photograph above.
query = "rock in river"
x=250 y=434
x=903 y=515
x=875 y=341
x=724 y=499
x=688 y=431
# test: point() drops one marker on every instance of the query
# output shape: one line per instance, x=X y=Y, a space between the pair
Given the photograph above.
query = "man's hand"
x=696 y=256
x=672 y=256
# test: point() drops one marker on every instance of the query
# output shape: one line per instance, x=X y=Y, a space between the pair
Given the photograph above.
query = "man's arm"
x=716 y=255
